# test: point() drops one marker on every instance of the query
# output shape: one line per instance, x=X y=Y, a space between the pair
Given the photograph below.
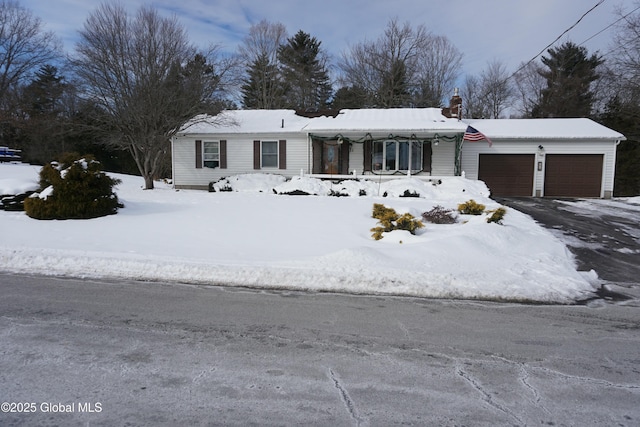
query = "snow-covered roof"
x=246 y=122
x=391 y=119
x=578 y=128
x=394 y=120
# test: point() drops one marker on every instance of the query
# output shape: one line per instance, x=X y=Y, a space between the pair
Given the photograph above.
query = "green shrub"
x=389 y=220
x=471 y=208
x=439 y=215
x=497 y=215
x=74 y=188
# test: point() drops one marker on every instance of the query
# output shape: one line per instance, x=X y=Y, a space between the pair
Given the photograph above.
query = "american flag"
x=472 y=134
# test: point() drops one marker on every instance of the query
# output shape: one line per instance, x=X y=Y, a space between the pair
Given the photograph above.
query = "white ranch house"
x=528 y=157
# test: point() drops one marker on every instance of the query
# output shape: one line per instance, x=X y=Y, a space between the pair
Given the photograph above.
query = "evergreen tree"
x=304 y=72
x=623 y=116
x=394 y=91
x=45 y=116
x=263 y=87
x=569 y=75
x=349 y=97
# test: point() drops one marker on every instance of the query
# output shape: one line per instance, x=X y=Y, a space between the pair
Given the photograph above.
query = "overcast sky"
x=511 y=31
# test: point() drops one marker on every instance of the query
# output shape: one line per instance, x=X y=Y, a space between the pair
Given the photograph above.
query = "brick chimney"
x=454 y=110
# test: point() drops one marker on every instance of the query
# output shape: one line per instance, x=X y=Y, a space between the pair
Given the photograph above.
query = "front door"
x=331 y=158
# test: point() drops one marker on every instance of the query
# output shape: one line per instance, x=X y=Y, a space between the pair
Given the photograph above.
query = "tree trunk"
x=148 y=182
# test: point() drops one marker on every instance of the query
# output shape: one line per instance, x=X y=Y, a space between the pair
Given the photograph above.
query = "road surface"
x=100 y=353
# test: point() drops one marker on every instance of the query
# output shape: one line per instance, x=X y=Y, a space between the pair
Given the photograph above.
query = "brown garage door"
x=573 y=175
x=507 y=174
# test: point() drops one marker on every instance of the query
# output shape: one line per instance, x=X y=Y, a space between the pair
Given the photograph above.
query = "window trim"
x=412 y=159
x=275 y=154
x=216 y=158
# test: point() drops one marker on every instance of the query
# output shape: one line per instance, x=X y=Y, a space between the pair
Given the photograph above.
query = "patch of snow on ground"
x=252 y=237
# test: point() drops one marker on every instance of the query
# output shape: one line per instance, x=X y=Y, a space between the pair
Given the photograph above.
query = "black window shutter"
x=223 y=154
x=368 y=154
x=256 y=154
x=282 y=154
x=198 y=154
x=426 y=156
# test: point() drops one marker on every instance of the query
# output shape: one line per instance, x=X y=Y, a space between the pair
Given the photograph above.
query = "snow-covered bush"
x=408 y=193
x=389 y=220
x=73 y=188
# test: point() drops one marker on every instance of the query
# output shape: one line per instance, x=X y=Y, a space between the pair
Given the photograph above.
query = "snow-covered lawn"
x=256 y=238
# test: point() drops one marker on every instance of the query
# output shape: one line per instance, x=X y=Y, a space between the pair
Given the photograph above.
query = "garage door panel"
x=507 y=174
x=573 y=175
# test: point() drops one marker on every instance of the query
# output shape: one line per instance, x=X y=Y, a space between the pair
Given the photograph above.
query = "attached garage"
x=573 y=175
x=543 y=157
x=507 y=174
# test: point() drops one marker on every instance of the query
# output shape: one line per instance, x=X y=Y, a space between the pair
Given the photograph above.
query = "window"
x=211 y=154
x=269 y=154
x=391 y=156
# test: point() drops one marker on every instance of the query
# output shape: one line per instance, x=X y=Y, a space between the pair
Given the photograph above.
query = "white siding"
x=239 y=158
x=443 y=159
x=356 y=158
x=471 y=153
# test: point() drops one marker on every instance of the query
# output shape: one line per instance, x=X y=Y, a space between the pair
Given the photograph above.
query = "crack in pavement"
x=348 y=402
x=486 y=396
x=587 y=379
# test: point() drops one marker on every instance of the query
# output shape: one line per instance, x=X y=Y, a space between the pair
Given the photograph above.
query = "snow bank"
x=253 y=237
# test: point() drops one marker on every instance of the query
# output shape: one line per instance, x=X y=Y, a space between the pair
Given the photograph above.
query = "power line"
x=609 y=26
x=557 y=38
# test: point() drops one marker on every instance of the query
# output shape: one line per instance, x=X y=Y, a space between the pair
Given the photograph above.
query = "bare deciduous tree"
x=145 y=79
x=439 y=68
x=529 y=84
x=404 y=67
x=24 y=46
x=624 y=66
x=473 y=104
x=496 y=89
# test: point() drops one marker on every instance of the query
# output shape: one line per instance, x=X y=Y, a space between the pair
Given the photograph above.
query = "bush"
x=408 y=193
x=471 y=208
x=73 y=188
x=439 y=215
x=497 y=215
x=338 y=193
x=389 y=220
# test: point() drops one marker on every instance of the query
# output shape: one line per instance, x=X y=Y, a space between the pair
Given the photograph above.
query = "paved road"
x=165 y=355
x=604 y=237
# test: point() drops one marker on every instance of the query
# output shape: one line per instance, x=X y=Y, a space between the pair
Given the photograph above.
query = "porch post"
x=458 y=155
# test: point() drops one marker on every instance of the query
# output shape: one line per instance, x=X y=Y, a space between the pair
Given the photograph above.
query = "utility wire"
x=609 y=26
x=558 y=38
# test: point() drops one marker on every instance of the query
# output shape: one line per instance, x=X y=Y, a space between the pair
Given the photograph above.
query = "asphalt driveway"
x=604 y=235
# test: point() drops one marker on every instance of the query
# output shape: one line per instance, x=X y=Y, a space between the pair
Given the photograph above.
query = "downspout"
x=309 y=153
x=173 y=163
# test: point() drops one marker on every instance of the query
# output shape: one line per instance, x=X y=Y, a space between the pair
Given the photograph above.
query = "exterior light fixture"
x=436 y=139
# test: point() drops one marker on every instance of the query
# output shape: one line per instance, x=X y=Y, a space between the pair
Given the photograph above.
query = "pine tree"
x=394 y=90
x=569 y=75
x=304 y=72
x=45 y=115
x=349 y=97
x=623 y=117
x=263 y=88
